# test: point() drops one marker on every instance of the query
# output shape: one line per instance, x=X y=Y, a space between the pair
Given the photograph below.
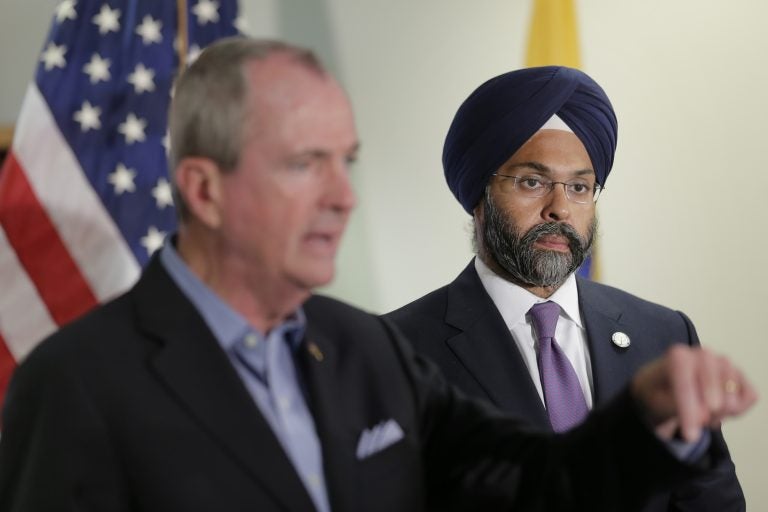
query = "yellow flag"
x=554 y=40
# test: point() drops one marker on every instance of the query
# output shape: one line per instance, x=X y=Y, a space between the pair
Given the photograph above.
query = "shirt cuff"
x=685 y=451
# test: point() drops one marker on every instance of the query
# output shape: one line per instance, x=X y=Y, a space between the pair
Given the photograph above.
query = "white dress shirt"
x=513 y=302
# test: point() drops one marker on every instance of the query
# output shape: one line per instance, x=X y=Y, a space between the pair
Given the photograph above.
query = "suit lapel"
x=198 y=373
x=319 y=360
x=611 y=365
x=486 y=349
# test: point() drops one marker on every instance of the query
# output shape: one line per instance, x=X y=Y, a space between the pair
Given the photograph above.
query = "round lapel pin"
x=620 y=339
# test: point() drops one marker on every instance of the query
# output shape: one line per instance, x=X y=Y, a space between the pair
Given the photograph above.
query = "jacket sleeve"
x=476 y=458
x=716 y=490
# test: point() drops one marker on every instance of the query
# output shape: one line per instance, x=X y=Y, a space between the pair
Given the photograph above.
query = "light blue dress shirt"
x=266 y=366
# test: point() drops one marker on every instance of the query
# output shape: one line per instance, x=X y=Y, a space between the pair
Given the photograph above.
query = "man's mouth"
x=558 y=243
x=322 y=242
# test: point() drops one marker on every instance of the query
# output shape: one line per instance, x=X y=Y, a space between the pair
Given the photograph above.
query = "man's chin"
x=566 y=268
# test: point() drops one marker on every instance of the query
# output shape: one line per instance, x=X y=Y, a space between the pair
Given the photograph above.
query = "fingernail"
x=692 y=434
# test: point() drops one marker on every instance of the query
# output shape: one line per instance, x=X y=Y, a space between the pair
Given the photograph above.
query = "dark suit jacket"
x=136 y=407
x=459 y=327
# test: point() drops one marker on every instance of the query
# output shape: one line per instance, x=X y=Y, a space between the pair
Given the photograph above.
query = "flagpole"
x=6 y=136
x=182 y=36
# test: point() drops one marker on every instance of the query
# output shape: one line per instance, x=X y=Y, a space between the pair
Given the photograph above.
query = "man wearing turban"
x=527 y=155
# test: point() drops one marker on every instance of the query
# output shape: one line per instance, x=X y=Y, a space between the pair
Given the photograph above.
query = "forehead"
x=558 y=150
x=282 y=90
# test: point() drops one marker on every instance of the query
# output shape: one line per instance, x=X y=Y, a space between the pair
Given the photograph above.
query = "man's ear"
x=478 y=225
x=198 y=181
x=479 y=213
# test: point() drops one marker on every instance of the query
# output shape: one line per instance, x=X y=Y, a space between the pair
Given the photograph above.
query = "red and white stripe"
x=60 y=251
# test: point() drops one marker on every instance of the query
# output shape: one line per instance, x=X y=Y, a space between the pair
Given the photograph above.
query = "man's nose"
x=558 y=206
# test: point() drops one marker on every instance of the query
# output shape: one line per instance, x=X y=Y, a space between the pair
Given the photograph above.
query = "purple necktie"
x=562 y=393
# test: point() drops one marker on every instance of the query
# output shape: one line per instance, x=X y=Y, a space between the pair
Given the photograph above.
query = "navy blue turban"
x=503 y=113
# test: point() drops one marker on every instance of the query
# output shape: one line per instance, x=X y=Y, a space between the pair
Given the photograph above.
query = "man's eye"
x=579 y=188
x=531 y=183
x=299 y=165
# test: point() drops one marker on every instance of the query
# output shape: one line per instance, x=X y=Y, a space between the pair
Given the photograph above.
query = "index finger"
x=683 y=375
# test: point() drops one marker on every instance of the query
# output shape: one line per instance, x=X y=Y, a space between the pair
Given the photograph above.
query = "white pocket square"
x=378 y=437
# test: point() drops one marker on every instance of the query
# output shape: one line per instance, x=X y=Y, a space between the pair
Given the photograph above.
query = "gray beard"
x=513 y=251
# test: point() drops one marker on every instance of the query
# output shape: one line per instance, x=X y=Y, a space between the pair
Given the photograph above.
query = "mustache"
x=575 y=241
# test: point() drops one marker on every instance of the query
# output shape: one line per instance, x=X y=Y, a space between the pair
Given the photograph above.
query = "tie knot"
x=544 y=316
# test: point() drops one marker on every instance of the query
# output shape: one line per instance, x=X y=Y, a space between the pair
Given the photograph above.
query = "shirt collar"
x=513 y=301
x=227 y=325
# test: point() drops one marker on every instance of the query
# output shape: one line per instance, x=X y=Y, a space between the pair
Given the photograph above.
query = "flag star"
x=149 y=30
x=193 y=54
x=132 y=129
x=97 y=69
x=241 y=24
x=162 y=193
x=107 y=19
x=142 y=79
x=53 y=56
x=122 y=179
x=167 y=142
x=66 y=10
x=88 y=117
x=206 y=11
x=153 y=240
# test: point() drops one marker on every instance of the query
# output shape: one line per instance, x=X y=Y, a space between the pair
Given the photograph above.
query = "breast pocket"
x=391 y=479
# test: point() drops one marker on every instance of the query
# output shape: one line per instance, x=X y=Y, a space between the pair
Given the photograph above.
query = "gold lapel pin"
x=315 y=351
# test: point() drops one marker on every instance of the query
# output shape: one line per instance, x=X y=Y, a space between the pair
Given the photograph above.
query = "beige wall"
x=682 y=219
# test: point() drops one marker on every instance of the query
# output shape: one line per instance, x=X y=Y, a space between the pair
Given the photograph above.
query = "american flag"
x=84 y=191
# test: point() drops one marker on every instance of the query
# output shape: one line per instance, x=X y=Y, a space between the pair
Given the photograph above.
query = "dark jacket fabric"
x=459 y=327
x=136 y=407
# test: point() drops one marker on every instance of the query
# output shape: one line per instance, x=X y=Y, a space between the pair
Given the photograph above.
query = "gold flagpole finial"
x=182 y=34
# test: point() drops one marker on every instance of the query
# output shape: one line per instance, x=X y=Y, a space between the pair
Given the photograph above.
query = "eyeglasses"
x=577 y=191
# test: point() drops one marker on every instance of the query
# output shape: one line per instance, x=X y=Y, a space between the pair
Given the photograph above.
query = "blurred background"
x=682 y=221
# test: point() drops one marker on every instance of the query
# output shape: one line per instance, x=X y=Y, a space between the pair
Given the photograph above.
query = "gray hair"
x=209 y=108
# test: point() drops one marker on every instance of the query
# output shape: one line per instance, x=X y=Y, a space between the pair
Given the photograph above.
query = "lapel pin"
x=315 y=351
x=620 y=339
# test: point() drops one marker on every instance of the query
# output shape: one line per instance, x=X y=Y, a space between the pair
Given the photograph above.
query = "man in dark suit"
x=527 y=156
x=219 y=382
